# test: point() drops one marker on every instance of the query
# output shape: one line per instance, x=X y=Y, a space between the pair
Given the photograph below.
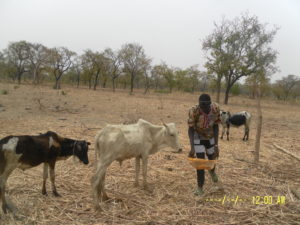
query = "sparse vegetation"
x=171 y=179
x=4 y=92
x=24 y=61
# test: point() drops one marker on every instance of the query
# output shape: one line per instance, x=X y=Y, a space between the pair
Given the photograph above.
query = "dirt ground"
x=81 y=113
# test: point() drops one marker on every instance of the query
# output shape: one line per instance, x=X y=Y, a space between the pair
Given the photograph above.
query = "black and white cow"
x=26 y=151
x=236 y=120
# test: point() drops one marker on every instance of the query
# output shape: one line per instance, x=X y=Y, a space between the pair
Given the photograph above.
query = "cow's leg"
x=98 y=183
x=223 y=131
x=52 y=178
x=145 y=164
x=137 y=170
x=45 y=176
x=227 y=132
x=5 y=205
x=2 y=194
x=104 y=195
x=246 y=133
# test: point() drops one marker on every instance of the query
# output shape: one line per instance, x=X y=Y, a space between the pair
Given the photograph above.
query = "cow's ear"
x=88 y=143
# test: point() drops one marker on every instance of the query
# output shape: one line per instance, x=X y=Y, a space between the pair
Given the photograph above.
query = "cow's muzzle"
x=85 y=161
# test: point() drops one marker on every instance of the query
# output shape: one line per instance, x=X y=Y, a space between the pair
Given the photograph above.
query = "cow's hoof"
x=98 y=208
x=55 y=193
x=44 y=193
x=105 y=198
x=9 y=207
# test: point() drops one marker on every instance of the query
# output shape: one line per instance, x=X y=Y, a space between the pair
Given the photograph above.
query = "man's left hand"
x=216 y=152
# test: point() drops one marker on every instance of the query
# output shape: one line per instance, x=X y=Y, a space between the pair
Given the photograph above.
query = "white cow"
x=120 y=142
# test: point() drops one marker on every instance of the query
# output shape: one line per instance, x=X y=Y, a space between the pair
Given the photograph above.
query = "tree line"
x=236 y=49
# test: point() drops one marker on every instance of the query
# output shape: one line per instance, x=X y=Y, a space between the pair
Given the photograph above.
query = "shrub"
x=4 y=92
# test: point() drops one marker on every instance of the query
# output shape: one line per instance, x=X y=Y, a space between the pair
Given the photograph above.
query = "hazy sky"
x=169 y=30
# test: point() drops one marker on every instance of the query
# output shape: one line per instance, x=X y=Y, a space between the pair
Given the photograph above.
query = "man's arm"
x=216 y=133
x=216 y=137
x=191 y=132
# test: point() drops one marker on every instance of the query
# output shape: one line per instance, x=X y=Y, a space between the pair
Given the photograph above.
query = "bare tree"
x=134 y=59
x=38 y=59
x=77 y=66
x=286 y=84
x=167 y=73
x=146 y=71
x=59 y=61
x=217 y=59
x=88 y=66
x=115 y=64
x=194 y=76
x=17 y=54
x=156 y=76
x=242 y=49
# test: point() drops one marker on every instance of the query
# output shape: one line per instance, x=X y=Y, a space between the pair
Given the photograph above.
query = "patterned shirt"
x=202 y=122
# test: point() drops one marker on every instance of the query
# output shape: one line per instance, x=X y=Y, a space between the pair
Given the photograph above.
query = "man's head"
x=204 y=103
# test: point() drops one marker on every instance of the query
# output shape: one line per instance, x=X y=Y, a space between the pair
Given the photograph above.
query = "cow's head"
x=172 y=139
x=81 y=151
x=224 y=116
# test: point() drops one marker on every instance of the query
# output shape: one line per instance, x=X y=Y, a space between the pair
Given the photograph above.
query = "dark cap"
x=204 y=98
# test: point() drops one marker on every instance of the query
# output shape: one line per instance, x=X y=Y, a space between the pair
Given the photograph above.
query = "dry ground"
x=80 y=113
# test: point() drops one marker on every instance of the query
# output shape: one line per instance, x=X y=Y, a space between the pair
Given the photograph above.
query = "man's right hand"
x=192 y=153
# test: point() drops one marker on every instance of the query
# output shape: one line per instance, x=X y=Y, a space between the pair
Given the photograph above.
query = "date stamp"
x=255 y=200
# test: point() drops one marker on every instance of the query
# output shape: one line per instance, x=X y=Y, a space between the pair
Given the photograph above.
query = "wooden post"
x=259 y=125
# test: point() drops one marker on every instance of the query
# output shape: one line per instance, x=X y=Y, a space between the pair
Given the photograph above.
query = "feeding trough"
x=202 y=164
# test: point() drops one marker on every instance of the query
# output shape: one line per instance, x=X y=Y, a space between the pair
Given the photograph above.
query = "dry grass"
x=81 y=113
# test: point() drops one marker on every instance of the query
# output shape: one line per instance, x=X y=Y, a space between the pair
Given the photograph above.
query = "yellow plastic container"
x=202 y=164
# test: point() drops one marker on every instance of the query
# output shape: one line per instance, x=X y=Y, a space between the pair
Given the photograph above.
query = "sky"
x=169 y=30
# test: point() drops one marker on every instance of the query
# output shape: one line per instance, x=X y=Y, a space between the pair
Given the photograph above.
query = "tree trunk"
x=19 y=78
x=131 y=83
x=226 y=95
x=218 y=90
x=259 y=127
x=57 y=85
x=78 y=80
x=104 y=81
x=34 y=77
x=96 y=81
x=113 y=84
x=90 y=83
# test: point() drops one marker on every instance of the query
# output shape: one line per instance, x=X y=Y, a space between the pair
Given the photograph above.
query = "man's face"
x=205 y=106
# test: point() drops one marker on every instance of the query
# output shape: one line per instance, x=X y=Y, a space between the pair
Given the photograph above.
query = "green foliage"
x=286 y=87
x=239 y=48
x=4 y=92
x=134 y=60
x=188 y=89
x=162 y=91
x=235 y=90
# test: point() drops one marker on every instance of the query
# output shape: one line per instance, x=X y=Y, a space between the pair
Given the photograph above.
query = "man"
x=203 y=134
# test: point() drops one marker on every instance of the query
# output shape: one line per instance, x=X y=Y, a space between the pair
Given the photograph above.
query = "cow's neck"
x=67 y=147
x=158 y=133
